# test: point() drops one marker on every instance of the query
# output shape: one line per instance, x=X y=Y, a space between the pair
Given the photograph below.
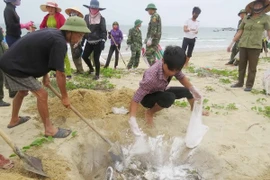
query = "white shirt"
x=193 y=27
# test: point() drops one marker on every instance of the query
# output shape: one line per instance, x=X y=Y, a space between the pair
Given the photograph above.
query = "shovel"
x=30 y=163
x=115 y=151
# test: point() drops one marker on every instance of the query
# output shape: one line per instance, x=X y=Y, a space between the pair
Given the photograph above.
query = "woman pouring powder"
x=250 y=45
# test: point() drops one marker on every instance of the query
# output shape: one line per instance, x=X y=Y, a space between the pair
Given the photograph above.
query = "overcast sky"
x=215 y=13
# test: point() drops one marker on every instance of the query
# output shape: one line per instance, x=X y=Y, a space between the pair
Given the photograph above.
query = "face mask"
x=17 y=3
x=258 y=10
x=94 y=11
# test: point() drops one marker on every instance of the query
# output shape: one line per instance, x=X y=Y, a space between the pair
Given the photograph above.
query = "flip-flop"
x=22 y=119
x=61 y=133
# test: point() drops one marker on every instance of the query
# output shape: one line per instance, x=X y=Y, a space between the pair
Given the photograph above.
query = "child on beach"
x=116 y=37
x=154 y=93
x=135 y=42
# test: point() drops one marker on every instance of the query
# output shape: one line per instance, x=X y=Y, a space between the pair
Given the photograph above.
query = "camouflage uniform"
x=135 y=42
x=154 y=32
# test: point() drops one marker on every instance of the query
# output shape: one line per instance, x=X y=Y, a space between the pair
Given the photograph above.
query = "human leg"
x=112 y=48
x=97 y=53
x=86 y=54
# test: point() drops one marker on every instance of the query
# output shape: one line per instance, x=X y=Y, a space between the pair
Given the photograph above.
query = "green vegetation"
x=36 y=142
x=231 y=107
x=265 y=110
x=181 y=103
x=209 y=88
x=225 y=80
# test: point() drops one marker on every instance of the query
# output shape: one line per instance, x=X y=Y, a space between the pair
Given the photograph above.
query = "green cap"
x=75 y=24
x=242 y=11
x=151 y=6
x=137 y=22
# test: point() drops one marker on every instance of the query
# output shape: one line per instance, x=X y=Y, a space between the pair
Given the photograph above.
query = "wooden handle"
x=81 y=116
x=8 y=140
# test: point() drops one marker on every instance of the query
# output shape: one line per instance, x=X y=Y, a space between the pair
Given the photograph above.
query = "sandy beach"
x=236 y=146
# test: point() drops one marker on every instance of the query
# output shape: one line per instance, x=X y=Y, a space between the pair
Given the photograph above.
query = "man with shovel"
x=34 y=56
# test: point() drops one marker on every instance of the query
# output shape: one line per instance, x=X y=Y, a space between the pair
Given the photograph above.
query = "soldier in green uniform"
x=153 y=34
x=2 y=50
x=235 y=48
x=135 y=42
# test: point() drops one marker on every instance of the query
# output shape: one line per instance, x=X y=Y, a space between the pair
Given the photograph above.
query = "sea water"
x=207 y=39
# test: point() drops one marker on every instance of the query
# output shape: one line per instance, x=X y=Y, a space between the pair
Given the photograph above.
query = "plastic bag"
x=266 y=81
x=196 y=130
x=120 y=110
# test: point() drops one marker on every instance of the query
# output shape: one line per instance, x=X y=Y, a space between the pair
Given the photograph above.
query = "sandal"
x=22 y=119
x=61 y=133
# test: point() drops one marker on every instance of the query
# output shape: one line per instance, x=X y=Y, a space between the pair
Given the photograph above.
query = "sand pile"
x=92 y=104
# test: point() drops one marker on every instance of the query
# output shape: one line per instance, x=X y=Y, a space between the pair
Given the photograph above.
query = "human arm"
x=186 y=29
x=61 y=20
x=10 y=19
x=46 y=80
x=236 y=38
x=186 y=83
x=103 y=29
x=129 y=40
x=61 y=82
x=43 y=23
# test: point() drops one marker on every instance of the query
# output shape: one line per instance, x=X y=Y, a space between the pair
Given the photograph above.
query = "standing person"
x=250 y=45
x=135 y=42
x=76 y=49
x=13 y=26
x=153 y=33
x=154 y=93
x=117 y=37
x=235 y=48
x=95 y=41
x=28 y=59
x=191 y=29
x=2 y=50
x=54 y=19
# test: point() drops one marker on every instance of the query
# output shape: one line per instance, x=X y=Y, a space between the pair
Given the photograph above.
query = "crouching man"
x=154 y=92
x=33 y=56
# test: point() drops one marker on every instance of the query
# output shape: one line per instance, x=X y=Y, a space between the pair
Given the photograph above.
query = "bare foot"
x=51 y=132
x=5 y=163
x=149 y=118
x=205 y=113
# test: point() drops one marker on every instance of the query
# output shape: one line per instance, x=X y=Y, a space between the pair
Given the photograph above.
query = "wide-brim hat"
x=77 y=10
x=249 y=7
x=94 y=4
x=43 y=7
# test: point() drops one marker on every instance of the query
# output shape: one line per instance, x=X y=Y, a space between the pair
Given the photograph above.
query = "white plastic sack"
x=237 y=56
x=266 y=81
x=120 y=110
x=102 y=61
x=196 y=130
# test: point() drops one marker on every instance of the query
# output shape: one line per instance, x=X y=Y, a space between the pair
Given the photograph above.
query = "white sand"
x=228 y=150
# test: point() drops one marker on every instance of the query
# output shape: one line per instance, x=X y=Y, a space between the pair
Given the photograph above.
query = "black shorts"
x=166 y=99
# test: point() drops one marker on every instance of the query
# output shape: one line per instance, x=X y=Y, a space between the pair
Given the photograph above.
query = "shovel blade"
x=33 y=164
x=116 y=153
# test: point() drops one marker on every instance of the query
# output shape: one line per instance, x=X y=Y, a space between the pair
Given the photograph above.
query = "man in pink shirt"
x=154 y=92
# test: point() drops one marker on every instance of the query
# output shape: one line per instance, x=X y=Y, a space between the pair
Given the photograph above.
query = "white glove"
x=149 y=42
x=195 y=93
x=134 y=127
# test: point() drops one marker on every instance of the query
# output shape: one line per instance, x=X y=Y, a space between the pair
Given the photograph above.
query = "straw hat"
x=250 y=6
x=69 y=10
x=43 y=7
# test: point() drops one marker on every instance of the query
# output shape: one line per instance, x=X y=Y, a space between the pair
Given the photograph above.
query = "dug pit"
x=85 y=156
